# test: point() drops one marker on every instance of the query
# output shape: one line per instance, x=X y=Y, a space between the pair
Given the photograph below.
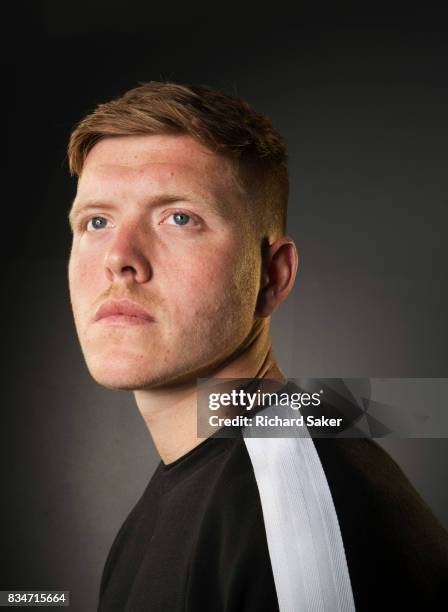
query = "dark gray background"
x=362 y=100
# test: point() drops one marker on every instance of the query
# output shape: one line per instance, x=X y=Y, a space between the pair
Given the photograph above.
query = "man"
x=179 y=259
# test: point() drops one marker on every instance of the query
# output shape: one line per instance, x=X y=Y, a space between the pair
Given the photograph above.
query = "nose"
x=126 y=257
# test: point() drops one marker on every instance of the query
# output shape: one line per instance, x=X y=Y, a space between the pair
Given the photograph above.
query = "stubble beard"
x=196 y=352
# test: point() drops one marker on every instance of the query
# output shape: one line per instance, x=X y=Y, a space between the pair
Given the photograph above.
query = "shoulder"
x=360 y=471
x=394 y=544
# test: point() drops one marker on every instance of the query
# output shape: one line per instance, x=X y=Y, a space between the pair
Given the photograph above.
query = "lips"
x=123 y=311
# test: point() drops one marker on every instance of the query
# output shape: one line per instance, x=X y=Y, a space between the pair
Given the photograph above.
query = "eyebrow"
x=79 y=207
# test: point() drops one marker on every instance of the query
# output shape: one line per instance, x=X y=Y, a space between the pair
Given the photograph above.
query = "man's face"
x=161 y=221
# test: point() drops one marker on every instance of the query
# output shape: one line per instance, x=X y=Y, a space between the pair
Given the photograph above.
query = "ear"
x=280 y=263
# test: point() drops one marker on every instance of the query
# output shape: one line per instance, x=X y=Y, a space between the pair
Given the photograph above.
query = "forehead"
x=156 y=163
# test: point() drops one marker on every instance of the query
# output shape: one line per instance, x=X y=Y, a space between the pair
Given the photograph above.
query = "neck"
x=170 y=413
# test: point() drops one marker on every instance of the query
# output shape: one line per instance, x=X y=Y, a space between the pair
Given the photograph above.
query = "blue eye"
x=96 y=223
x=180 y=218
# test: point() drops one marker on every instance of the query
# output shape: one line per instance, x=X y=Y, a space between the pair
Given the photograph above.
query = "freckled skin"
x=200 y=282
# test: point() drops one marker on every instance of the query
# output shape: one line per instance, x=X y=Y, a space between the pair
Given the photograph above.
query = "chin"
x=125 y=372
x=117 y=369
x=129 y=373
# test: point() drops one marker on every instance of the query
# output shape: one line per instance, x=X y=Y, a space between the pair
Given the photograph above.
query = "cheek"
x=211 y=284
x=82 y=278
x=202 y=274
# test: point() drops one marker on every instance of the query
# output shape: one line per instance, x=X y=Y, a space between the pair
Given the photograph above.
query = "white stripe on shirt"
x=302 y=529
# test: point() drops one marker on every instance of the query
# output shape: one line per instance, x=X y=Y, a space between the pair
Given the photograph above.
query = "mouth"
x=123 y=313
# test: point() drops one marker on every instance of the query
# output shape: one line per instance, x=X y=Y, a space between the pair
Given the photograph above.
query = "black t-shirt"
x=196 y=539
